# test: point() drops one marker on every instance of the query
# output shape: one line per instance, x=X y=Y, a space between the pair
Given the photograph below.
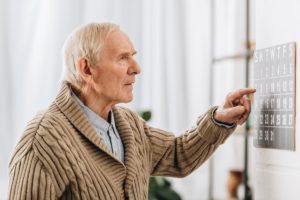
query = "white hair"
x=85 y=41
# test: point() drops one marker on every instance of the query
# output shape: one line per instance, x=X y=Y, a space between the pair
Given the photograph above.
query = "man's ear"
x=83 y=68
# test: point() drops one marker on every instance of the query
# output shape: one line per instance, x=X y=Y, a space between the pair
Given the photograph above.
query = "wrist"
x=217 y=119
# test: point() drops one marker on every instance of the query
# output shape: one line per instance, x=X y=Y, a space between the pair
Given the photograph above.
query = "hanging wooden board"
x=274 y=101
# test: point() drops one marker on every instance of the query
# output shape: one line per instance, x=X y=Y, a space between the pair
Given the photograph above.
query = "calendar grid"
x=274 y=101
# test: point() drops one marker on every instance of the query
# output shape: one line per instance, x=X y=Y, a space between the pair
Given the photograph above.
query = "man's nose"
x=134 y=68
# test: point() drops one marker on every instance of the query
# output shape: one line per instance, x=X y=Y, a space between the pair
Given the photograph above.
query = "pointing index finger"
x=241 y=92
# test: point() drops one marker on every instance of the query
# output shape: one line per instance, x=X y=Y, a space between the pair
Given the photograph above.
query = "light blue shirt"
x=106 y=130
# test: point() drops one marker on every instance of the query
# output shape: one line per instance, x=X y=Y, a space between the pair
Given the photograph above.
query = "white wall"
x=278 y=172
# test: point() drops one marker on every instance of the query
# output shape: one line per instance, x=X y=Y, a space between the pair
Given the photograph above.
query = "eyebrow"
x=128 y=53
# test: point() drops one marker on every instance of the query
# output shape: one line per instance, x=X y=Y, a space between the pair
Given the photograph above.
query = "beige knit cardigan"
x=60 y=155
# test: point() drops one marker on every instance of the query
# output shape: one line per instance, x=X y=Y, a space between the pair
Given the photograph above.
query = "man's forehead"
x=119 y=42
x=120 y=50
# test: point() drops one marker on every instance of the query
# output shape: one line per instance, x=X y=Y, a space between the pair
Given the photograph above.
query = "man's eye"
x=124 y=57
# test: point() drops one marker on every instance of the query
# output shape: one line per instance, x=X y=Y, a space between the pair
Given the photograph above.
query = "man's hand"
x=236 y=107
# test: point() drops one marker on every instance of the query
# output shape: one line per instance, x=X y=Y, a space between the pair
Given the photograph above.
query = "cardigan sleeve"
x=32 y=170
x=179 y=156
x=30 y=180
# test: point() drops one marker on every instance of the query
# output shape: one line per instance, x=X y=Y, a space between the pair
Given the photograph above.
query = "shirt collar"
x=98 y=122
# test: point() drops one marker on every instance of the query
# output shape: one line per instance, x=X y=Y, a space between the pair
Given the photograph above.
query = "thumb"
x=235 y=112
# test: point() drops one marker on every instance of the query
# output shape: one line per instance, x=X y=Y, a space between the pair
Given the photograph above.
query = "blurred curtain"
x=229 y=75
x=172 y=39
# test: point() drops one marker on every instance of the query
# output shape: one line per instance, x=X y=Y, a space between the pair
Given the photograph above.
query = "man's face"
x=114 y=75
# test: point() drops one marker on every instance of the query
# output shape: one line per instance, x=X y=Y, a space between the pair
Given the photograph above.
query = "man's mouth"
x=131 y=83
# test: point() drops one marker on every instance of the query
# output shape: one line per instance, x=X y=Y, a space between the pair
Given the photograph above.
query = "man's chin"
x=128 y=99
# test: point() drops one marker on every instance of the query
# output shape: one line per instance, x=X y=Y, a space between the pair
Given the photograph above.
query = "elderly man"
x=85 y=147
